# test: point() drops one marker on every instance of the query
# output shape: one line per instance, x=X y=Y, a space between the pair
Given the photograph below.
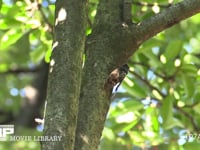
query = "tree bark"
x=65 y=74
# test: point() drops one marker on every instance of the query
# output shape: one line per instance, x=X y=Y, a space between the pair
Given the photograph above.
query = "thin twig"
x=20 y=70
x=44 y=17
x=168 y=78
x=189 y=116
x=186 y=114
x=147 y=83
x=191 y=106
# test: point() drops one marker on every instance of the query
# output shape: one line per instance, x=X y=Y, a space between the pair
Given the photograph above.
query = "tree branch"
x=166 y=19
x=165 y=77
x=151 y=5
x=185 y=113
x=21 y=70
x=147 y=83
x=189 y=116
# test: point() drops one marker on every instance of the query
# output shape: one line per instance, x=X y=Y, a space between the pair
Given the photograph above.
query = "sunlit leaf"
x=197 y=108
x=188 y=85
x=189 y=70
x=172 y=50
x=167 y=111
x=136 y=90
x=9 y=23
x=191 y=59
x=9 y=38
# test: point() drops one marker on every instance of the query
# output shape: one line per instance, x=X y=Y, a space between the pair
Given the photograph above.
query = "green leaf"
x=172 y=50
x=125 y=107
x=132 y=105
x=126 y=118
x=9 y=23
x=173 y=123
x=135 y=89
x=9 y=38
x=188 y=84
x=197 y=108
x=38 y=53
x=137 y=137
x=153 y=59
x=48 y=56
x=189 y=70
x=19 y=51
x=191 y=59
x=167 y=111
x=151 y=123
x=169 y=121
x=108 y=133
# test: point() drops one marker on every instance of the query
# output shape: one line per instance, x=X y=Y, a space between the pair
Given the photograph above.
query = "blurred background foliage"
x=158 y=104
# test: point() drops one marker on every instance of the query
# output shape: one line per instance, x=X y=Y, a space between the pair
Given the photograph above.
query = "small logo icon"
x=5 y=130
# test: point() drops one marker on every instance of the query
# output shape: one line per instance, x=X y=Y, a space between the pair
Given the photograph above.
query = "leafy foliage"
x=25 y=39
x=158 y=103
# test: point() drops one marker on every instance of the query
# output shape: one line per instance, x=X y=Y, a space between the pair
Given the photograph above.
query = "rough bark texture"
x=101 y=60
x=110 y=45
x=65 y=74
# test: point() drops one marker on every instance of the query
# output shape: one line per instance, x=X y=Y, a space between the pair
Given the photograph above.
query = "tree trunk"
x=65 y=74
